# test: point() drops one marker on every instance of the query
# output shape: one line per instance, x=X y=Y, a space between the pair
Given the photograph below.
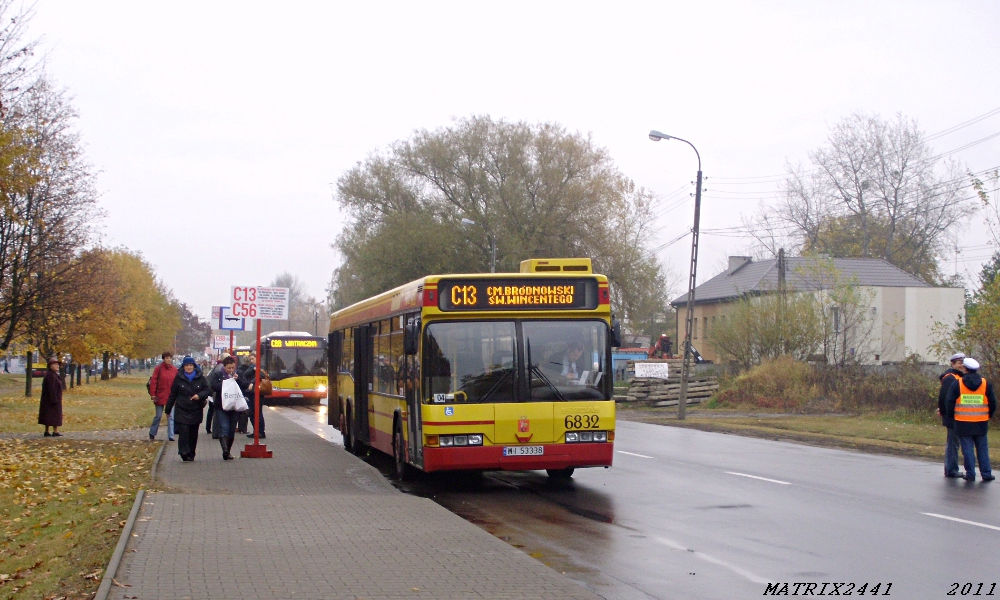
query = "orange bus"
x=499 y=371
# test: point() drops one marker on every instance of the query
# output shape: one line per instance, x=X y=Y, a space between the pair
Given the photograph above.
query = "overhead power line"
x=963 y=125
x=755 y=179
x=967 y=146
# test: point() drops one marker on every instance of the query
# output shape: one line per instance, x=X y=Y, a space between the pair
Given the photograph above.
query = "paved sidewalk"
x=312 y=522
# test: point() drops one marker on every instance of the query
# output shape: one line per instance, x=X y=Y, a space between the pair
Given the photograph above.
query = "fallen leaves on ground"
x=120 y=403
x=61 y=512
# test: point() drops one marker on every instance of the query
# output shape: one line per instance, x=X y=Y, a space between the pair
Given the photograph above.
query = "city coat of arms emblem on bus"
x=523 y=425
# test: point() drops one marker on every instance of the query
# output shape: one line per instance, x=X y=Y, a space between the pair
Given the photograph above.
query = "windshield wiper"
x=533 y=368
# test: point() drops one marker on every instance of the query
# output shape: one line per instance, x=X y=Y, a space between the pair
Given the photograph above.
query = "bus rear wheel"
x=560 y=474
x=345 y=432
x=399 y=453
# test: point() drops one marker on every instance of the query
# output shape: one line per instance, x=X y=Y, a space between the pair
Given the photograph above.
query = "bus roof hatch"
x=556 y=265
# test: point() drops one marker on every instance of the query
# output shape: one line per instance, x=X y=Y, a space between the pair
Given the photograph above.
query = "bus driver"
x=572 y=362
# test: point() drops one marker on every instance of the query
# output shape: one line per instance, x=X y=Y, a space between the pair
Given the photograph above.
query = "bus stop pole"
x=256 y=450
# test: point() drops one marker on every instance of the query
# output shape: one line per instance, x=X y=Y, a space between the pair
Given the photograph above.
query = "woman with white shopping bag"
x=228 y=389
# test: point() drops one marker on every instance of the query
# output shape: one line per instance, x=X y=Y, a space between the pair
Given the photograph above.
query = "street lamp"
x=493 y=244
x=689 y=321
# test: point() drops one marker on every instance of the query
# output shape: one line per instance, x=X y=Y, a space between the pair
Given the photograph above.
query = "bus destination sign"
x=295 y=343
x=517 y=294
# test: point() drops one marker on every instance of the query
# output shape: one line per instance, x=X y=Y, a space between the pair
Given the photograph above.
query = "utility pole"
x=656 y=136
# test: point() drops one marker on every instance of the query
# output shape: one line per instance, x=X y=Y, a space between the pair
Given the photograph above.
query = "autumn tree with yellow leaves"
x=59 y=293
x=111 y=304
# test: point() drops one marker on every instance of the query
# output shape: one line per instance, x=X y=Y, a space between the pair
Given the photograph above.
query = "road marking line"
x=715 y=561
x=957 y=520
x=633 y=454
x=756 y=477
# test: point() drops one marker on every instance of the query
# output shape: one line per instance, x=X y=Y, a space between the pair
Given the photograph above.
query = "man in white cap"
x=970 y=402
x=948 y=378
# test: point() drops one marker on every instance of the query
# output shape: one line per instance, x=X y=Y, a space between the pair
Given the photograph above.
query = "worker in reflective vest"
x=948 y=378
x=971 y=403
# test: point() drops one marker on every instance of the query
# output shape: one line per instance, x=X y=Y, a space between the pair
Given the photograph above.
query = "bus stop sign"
x=227 y=322
x=258 y=302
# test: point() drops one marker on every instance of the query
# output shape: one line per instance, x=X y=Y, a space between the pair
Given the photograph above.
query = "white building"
x=904 y=308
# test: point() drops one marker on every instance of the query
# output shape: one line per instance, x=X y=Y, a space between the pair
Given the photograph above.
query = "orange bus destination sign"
x=517 y=294
x=295 y=343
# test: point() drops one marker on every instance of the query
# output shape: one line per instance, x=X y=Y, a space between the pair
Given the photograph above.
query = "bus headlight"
x=472 y=439
x=321 y=388
x=588 y=436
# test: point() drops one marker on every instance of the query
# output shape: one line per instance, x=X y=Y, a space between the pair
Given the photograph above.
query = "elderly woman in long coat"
x=50 y=407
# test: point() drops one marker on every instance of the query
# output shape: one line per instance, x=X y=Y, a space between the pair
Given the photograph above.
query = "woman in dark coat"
x=187 y=399
x=50 y=407
x=226 y=418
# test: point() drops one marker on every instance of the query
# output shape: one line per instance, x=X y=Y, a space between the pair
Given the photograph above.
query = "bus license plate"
x=296 y=396
x=523 y=450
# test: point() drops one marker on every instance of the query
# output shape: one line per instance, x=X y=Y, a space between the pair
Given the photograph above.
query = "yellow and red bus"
x=499 y=371
x=297 y=364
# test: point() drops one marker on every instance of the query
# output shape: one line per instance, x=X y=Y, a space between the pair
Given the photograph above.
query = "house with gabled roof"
x=904 y=308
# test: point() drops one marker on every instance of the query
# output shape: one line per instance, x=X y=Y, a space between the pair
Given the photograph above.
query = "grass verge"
x=62 y=506
x=898 y=433
x=120 y=403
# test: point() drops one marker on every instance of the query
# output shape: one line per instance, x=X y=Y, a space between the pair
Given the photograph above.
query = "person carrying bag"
x=225 y=402
x=232 y=396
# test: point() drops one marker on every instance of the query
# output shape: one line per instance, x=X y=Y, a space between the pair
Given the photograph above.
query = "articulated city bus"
x=297 y=364
x=504 y=371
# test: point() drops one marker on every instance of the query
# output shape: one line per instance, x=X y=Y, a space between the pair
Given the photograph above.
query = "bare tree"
x=305 y=313
x=18 y=65
x=987 y=187
x=875 y=191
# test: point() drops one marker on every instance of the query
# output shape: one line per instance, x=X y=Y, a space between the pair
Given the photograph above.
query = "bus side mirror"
x=411 y=337
x=616 y=333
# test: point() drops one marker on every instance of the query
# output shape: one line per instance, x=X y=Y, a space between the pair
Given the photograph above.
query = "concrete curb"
x=116 y=558
x=156 y=462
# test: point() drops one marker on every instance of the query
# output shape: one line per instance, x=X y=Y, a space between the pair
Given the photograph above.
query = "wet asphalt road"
x=691 y=514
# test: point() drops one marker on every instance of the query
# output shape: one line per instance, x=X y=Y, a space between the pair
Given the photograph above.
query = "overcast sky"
x=219 y=128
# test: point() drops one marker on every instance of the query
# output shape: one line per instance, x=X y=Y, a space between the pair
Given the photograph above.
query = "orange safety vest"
x=972 y=405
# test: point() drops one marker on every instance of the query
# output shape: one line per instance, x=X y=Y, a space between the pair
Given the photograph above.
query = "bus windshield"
x=477 y=361
x=290 y=362
x=470 y=361
x=566 y=359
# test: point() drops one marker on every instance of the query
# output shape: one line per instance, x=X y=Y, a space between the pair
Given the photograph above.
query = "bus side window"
x=374 y=383
x=396 y=358
x=347 y=352
x=384 y=358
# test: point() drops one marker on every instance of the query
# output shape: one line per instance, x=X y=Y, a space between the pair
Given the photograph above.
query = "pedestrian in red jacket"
x=159 y=392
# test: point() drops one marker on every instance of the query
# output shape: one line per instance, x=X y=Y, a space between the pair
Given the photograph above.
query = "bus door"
x=334 y=354
x=414 y=429
x=363 y=345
